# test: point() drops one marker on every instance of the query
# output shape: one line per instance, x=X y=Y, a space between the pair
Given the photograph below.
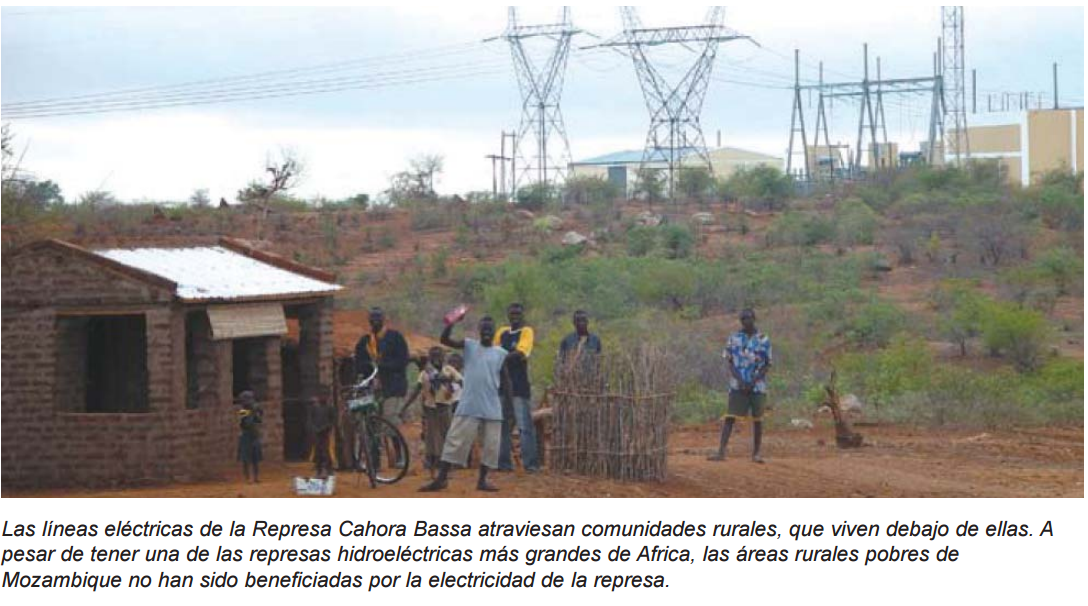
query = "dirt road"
x=898 y=462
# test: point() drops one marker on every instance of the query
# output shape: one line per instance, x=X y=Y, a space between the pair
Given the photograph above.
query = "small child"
x=437 y=383
x=322 y=423
x=249 y=438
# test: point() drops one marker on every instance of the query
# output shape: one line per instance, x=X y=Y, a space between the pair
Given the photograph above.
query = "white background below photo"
x=989 y=570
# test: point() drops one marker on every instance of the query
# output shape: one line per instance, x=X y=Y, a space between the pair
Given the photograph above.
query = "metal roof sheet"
x=215 y=272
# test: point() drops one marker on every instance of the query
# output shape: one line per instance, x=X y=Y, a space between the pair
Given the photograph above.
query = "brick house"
x=121 y=366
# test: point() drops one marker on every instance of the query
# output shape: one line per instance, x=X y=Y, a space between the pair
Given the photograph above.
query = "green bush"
x=677 y=241
x=1016 y=333
x=1062 y=267
x=641 y=240
x=874 y=324
x=856 y=222
x=588 y=191
x=801 y=229
x=761 y=184
x=961 y=308
x=535 y=197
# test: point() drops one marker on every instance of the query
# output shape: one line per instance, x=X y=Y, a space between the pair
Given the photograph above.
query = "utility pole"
x=494 y=180
x=675 y=132
x=797 y=121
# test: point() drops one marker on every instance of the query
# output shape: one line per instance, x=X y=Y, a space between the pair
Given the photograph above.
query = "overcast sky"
x=432 y=86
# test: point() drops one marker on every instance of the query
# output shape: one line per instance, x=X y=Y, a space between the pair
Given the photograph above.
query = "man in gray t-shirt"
x=479 y=411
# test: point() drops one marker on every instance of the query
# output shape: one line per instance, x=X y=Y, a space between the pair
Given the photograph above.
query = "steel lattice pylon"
x=541 y=148
x=675 y=109
x=953 y=68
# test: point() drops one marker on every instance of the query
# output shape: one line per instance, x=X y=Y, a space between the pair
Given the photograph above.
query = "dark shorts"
x=746 y=405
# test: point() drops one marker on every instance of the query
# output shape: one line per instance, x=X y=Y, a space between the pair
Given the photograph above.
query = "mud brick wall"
x=46 y=443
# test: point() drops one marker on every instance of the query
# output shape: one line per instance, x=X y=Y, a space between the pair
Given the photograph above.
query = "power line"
x=407 y=56
x=193 y=100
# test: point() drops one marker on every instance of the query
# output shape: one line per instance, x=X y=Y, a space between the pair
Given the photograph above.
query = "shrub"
x=695 y=183
x=801 y=229
x=677 y=241
x=587 y=191
x=961 y=308
x=1019 y=334
x=874 y=324
x=535 y=197
x=1062 y=267
x=641 y=240
x=762 y=184
x=856 y=223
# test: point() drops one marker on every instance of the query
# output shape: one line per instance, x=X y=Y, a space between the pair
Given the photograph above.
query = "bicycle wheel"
x=388 y=450
x=364 y=455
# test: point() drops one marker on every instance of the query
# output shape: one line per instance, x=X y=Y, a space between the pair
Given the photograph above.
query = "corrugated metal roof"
x=214 y=272
x=621 y=157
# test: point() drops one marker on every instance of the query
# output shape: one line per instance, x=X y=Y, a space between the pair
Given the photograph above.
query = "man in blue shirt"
x=748 y=354
x=479 y=412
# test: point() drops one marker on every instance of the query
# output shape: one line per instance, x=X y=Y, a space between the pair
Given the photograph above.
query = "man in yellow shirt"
x=517 y=338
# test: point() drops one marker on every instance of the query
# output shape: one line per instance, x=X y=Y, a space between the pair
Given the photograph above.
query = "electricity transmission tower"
x=541 y=146
x=797 y=121
x=953 y=68
x=675 y=130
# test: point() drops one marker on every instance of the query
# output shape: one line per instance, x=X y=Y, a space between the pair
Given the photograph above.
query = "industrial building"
x=1029 y=143
x=122 y=365
x=620 y=168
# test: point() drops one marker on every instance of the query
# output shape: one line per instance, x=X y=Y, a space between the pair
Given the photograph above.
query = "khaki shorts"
x=463 y=432
x=746 y=405
x=391 y=410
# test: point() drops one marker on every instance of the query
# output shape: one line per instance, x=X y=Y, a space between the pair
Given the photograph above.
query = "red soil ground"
x=896 y=462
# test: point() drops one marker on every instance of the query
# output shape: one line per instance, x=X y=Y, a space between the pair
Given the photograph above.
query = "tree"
x=695 y=183
x=284 y=173
x=417 y=181
x=1019 y=334
x=97 y=199
x=962 y=309
x=650 y=185
x=589 y=190
x=199 y=198
x=761 y=183
x=1061 y=266
x=536 y=196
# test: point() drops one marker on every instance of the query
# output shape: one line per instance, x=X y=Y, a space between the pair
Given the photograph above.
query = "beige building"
x=620 y=167
x=1029 y=144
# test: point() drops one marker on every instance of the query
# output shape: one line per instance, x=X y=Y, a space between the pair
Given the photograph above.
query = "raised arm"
x=448 y=340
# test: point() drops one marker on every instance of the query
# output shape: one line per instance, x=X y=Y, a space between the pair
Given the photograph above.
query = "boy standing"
x=436 y=385
x=479 y=411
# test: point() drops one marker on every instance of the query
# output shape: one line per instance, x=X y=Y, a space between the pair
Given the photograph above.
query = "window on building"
x=102 y=364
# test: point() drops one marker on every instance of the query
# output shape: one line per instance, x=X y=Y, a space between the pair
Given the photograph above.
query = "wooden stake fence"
x=611 y=415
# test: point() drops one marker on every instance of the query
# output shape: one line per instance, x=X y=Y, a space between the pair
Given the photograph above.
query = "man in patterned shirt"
x=748 y=354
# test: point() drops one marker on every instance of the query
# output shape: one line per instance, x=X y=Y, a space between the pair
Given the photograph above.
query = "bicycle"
x=378 y=447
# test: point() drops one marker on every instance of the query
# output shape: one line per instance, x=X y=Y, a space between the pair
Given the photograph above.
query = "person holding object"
x=436 y=386
x=387 y=350
x=479 y=412
x=517 y=338
x=249 y=436
x=748 y=354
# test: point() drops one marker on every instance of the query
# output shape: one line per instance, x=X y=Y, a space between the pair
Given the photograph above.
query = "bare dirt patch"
x=898 y=462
